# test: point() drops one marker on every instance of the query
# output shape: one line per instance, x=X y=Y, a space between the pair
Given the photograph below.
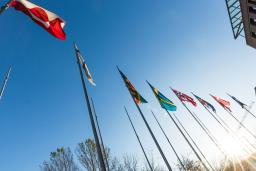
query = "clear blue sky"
x=184 y=44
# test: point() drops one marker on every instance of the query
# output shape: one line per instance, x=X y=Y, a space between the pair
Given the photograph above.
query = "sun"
x=233 y=146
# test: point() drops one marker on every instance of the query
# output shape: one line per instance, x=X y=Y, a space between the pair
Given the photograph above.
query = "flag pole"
x=193 y=149
x=101 y=139
x=202 y=126
x=150 y=131
x=100 y=155
x=173 y=149
x=5 y=7
x=5 y=82
x=137 y=136
x=232 y=115
x=194 y=143
x=250 y=112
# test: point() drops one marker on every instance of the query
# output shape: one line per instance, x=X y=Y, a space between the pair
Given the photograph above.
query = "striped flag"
x=82 y=62
x=46 y=19
x=135 y=94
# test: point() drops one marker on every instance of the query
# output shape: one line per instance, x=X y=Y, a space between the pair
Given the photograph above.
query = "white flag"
x=82 y=62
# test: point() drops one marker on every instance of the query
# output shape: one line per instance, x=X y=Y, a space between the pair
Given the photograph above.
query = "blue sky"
x=182 y=44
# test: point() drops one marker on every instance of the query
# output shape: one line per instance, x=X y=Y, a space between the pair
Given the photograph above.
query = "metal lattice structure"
x=235 y=16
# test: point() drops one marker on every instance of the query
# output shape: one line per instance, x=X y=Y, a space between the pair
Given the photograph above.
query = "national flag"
x=224 y=103
x=164 y=101
x=184 y=98
x=46 y=19
x=82 y=62
x=205 y=103
x=239 y=102
x=136 y=96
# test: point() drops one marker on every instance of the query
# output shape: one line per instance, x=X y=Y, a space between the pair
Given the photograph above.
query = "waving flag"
x=46 y=19
x=239 y=102
x=184 y=98
x=224 y=103
x=82 y=62
x=205 y=103
x=164 y=101
x=136 y=96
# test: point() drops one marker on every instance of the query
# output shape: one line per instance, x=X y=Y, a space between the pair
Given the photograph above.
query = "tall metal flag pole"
x=224 y=125
x=191 y=146
x=137 y=136
x=232 y=115
x=5 y=82
x=101 y=139
x=100 y=154
x=149 y=129
x=173 y=149
x=5 y=7
x=202 y=126
x=194 y=143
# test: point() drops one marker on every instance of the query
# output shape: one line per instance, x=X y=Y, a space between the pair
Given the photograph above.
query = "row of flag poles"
x=54 y=25
x=170 y=107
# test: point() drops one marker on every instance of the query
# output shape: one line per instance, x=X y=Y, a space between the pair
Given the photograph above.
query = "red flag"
x=184 y=98
x=223 y=103
x=46 y=19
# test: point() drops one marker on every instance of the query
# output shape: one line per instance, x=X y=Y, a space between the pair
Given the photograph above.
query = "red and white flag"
x=184 y=98
x=46 y=19
x=224 y=103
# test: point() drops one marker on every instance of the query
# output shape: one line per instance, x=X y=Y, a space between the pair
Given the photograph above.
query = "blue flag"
x=164 y=101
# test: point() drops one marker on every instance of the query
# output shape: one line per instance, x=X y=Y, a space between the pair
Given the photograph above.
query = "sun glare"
x=233 y=147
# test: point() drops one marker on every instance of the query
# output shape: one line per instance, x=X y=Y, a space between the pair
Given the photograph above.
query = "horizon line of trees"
x=63 y=159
